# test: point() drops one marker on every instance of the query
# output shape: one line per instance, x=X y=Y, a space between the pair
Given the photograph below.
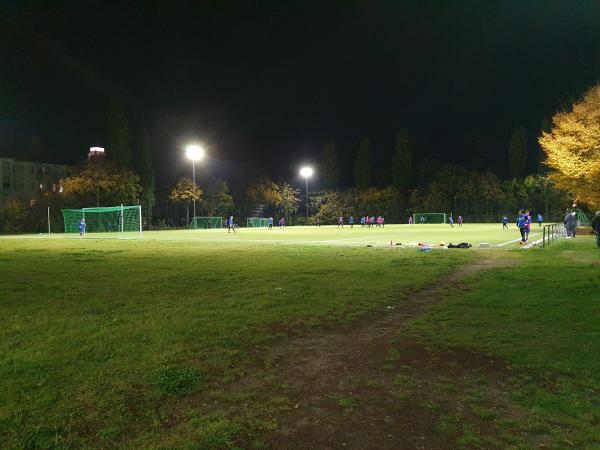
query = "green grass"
x=142 y=343
x=330 y=235
x=542 y=317
x=127 y=343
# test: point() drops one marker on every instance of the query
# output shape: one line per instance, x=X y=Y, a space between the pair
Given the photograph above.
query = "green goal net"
x=255 y=222
x=582 y=219
x=109 y=222
x=206 y=223
x=429 y=218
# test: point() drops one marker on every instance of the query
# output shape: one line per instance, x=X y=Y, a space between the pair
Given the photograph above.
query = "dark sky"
x=262 y=84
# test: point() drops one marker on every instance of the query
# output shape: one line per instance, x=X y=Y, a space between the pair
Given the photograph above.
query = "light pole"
x=194 y=152
x=306 y=172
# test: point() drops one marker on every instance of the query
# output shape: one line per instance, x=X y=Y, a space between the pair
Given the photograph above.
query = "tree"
x=216 y=201
x=146 y=172
x=185 y=191
x=118 y=138
x=329 y=165
x=402 y=162
x=363 y=164
x=572 y=148
x=289 y=200
x=101 y=181
x=517 y=153
x=264 y=191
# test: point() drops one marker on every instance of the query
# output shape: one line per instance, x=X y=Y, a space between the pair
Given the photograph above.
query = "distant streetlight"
x=194 y=152
x=306 y=172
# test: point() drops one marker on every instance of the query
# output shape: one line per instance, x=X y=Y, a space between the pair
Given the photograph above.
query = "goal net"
x=582 y=220
x=429 y=218
x=255 y=222
x=206 y=223
x=110 y=222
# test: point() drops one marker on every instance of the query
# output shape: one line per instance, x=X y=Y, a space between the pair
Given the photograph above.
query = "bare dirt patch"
x=373 y=385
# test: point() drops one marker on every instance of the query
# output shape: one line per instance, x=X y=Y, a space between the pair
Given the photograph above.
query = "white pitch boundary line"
x=533 y=243
x=515 y=240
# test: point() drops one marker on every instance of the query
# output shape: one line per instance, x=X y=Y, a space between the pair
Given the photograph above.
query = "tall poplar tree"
x=145 y=170
x=517 y=153
x=362 y=168
x=402 y=162
x=118 y=136
x=329 y=165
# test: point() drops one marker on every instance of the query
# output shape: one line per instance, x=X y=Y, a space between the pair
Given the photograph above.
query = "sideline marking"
x=516 y=240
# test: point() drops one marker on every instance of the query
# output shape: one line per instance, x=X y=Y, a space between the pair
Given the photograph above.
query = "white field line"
x=516 y=240
x=533 y=243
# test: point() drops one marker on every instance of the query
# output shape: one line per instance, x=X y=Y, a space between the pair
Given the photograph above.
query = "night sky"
x=262 y=84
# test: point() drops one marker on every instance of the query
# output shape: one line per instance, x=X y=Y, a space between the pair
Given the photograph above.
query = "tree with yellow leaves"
x=572 y=148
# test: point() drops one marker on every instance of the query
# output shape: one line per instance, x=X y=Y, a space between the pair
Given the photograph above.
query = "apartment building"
x=25 y=179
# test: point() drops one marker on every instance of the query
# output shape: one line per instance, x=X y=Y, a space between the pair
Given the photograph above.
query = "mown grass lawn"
x=542 y=316
x=128 y=343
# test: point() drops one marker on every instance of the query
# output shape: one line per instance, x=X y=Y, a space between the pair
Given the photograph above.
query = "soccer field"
x=210 y=340
x=406 y=235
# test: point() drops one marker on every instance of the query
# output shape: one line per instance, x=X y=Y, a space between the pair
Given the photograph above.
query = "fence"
x=551 y=233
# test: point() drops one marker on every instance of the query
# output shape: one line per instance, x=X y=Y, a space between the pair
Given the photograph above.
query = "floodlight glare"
x=306 y=172
x=194 y=152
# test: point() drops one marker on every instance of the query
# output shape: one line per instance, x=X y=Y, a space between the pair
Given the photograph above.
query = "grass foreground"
x=161 y=343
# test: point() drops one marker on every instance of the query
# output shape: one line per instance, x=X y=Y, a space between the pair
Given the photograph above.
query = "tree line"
x=571 y=145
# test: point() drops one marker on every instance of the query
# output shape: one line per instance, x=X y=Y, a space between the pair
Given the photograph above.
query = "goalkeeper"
x=82 y=228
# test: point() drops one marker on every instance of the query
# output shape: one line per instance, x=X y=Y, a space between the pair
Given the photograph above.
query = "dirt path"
x=372 y=385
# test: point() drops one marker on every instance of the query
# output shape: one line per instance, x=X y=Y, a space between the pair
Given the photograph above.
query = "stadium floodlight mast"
x=194 y=152
x=306 y=172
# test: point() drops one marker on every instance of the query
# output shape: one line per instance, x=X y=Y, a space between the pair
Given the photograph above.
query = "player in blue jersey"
x=451 y=221
x=82 y=226
x=522 y=226
x=540 y=219
x=230 y=225
x=351 y=221
x=505 y=223
x=270 y=223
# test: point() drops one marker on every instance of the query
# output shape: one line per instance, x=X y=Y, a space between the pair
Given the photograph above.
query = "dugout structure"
x=115 y=222
x=429 y=218
x=257 y=222
x=206 y=223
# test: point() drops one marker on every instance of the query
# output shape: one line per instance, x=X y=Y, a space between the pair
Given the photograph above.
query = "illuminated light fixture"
x=194 y=152
x=95 y=151
x=306 y=172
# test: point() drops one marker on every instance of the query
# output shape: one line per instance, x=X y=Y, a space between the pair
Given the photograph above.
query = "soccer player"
x=282 y=222
x=82 y=228
x=372 y=221
x=540 y=220
x=505 y=223
x=368 y=221
x=270 y=223
x=351 y=221
x=521 y=222
x=383 y=222
x=451 y=221
x=230 y=225
x=341 y=222
x=528 y=225
x=410 y=220
x=318 y=222
x=460 y=221
x=362 y=221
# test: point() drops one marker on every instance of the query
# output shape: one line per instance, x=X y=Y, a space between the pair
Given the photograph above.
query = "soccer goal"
x=206 y=223
x=429 y=218
x=117 y=222
x=257 y=222
x=582 y=220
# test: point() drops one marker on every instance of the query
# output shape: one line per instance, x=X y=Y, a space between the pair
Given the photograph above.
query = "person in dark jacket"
x=571 y=224
x=596 y=227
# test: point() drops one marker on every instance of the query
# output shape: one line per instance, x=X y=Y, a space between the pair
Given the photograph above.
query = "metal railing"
x=551 y=233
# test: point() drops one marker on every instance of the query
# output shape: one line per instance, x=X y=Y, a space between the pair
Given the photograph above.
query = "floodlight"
x=194 y=152
x=306 y=172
